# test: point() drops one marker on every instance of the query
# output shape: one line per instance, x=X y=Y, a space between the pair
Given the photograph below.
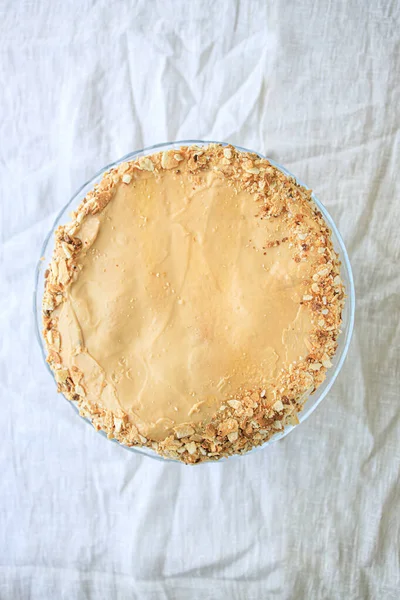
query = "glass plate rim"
x=309 y=407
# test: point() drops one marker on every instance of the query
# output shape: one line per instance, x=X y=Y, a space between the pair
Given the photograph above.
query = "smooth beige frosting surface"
x=178 y=306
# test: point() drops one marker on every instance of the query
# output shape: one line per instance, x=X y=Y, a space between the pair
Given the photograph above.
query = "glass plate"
x=346 y=275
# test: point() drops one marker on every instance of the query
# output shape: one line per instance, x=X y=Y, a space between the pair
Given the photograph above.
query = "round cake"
x=193 y=303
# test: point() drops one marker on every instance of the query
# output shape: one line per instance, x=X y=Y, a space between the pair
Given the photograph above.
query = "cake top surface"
x=195 y=291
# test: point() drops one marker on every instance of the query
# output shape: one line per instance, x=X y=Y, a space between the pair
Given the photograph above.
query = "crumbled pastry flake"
x=118 y=424
x=191 y=447
x=146 y=164
x=315 y=366
x=67 y=249
x=235 y=404
x=79 y=390
x=183 y=431
x=277 y=406
x=61 y=375
x=227 y=426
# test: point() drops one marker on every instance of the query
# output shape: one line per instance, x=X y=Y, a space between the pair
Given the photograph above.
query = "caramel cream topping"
x=194 y=302
x=178 y=306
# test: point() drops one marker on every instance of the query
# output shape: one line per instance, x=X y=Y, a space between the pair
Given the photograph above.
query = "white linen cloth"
x=314 y=85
